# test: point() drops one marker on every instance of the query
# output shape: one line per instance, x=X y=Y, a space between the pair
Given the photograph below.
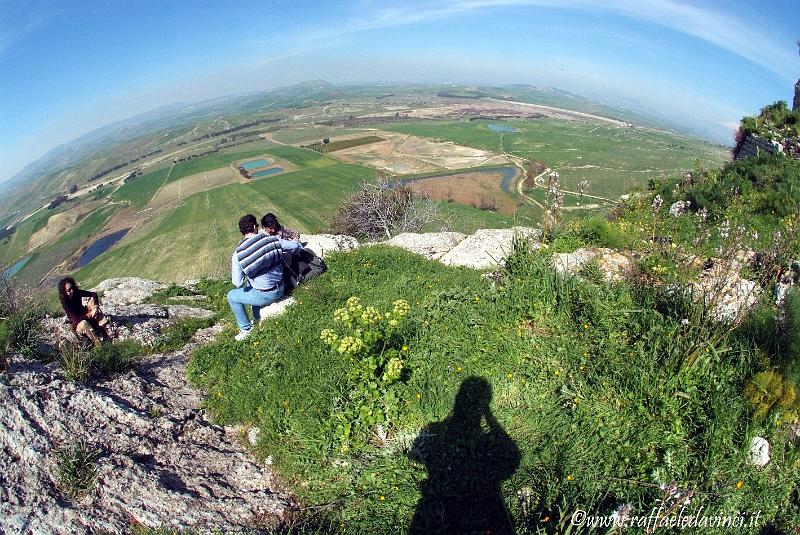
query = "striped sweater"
x=258 y=254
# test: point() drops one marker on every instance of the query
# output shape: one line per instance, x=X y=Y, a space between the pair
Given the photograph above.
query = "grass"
x=76 y=469
x=586 y=393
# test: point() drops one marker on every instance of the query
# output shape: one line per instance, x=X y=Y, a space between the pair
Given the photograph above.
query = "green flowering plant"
x=372 y=342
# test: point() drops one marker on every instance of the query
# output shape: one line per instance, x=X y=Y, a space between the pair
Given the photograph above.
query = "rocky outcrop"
x=724 y=291
x=162 y=463
x=614 y=266
x=487 y=248
x=431 y=245
x=131 y=318
x=127 y=290
x=322 y=244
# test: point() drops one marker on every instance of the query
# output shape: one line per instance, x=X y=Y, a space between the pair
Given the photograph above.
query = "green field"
x=16 y=246
x=609 y=157
x=197 y=238
x=139 y=191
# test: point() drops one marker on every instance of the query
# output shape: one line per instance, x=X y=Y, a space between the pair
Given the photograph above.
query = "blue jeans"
x=246 y=295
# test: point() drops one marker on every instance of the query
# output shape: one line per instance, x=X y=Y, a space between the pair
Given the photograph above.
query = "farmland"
x=183 y=206
x=609 y=157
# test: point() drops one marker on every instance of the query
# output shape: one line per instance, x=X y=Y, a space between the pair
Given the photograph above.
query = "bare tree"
x=382 y=209
x=583 y=189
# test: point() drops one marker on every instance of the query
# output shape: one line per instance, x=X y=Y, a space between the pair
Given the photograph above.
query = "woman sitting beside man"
x=272 y=227
x=87 y=320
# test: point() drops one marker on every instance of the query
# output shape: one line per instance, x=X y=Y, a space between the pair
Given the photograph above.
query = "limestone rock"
x=127 y=290
x=183 y=311
x=722 y=288
x=614 y=265
x=486 y=248
x=431 y=245
x=323 y=244
x=572 y=263
x=277 y=308
x=758 y=454
x=162 y=462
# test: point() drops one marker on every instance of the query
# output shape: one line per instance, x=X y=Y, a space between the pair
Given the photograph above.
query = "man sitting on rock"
x=258 y=259
x=87 y=320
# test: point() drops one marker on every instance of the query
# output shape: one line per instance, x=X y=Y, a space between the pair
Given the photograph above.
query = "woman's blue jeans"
x=247 y=295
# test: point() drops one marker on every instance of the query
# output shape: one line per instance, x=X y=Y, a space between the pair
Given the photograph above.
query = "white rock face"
x=127 y=290
x=614 y=265
x=162 y=462
x=183 y=311
x=431 y=245
x=487 y=248
x=758 y=455
x=723 y=289
x=572 y=263
x=277 y=308
x=323 y=244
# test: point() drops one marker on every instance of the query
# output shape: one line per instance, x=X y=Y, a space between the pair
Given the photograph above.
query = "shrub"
x=76 y=362
x=372 y=344
x=76 y=469
x=381 y=210
x=597 y=230
x=769 y=390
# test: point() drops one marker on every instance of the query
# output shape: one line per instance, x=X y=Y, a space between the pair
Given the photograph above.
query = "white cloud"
x=729 y=32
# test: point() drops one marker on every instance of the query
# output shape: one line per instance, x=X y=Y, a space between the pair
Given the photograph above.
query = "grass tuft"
x=76 y=469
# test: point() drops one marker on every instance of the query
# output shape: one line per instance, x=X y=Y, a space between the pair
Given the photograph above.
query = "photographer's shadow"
x=467 y=455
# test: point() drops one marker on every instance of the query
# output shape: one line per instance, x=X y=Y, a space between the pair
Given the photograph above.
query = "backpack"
x=299 y=267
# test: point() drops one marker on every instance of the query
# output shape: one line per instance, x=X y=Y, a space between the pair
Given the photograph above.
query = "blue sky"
x=67 y=68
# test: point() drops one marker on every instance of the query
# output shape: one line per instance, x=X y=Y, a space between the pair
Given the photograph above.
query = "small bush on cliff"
x=20 y=312
x=380 y=210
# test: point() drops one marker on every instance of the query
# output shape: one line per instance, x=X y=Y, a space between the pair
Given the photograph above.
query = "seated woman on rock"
x=272 y=227
x=87 y=320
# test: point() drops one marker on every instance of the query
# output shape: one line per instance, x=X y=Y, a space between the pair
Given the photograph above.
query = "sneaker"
x=242 y=335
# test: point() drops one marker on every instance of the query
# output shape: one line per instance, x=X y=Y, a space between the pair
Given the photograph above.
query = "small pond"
x=99 y=247
x=254 y=164
x=502 y=128
x=12 y=270
x=267 y=172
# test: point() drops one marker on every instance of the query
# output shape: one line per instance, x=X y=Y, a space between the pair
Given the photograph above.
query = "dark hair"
x=247 y=224
x=62 y=290
x=270 y=221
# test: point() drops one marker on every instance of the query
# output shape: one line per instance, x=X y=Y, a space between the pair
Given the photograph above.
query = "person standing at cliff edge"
x=258 y=259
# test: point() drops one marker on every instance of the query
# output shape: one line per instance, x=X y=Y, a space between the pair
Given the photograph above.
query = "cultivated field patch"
x=60 y=223
x=480 y=189
x=176 y=191
x=408 y=154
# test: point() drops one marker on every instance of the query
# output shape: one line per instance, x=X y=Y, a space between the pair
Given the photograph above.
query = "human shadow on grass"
x=467 y=455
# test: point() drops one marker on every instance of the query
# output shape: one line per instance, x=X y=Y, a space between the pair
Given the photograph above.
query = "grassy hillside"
x=594 y=392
